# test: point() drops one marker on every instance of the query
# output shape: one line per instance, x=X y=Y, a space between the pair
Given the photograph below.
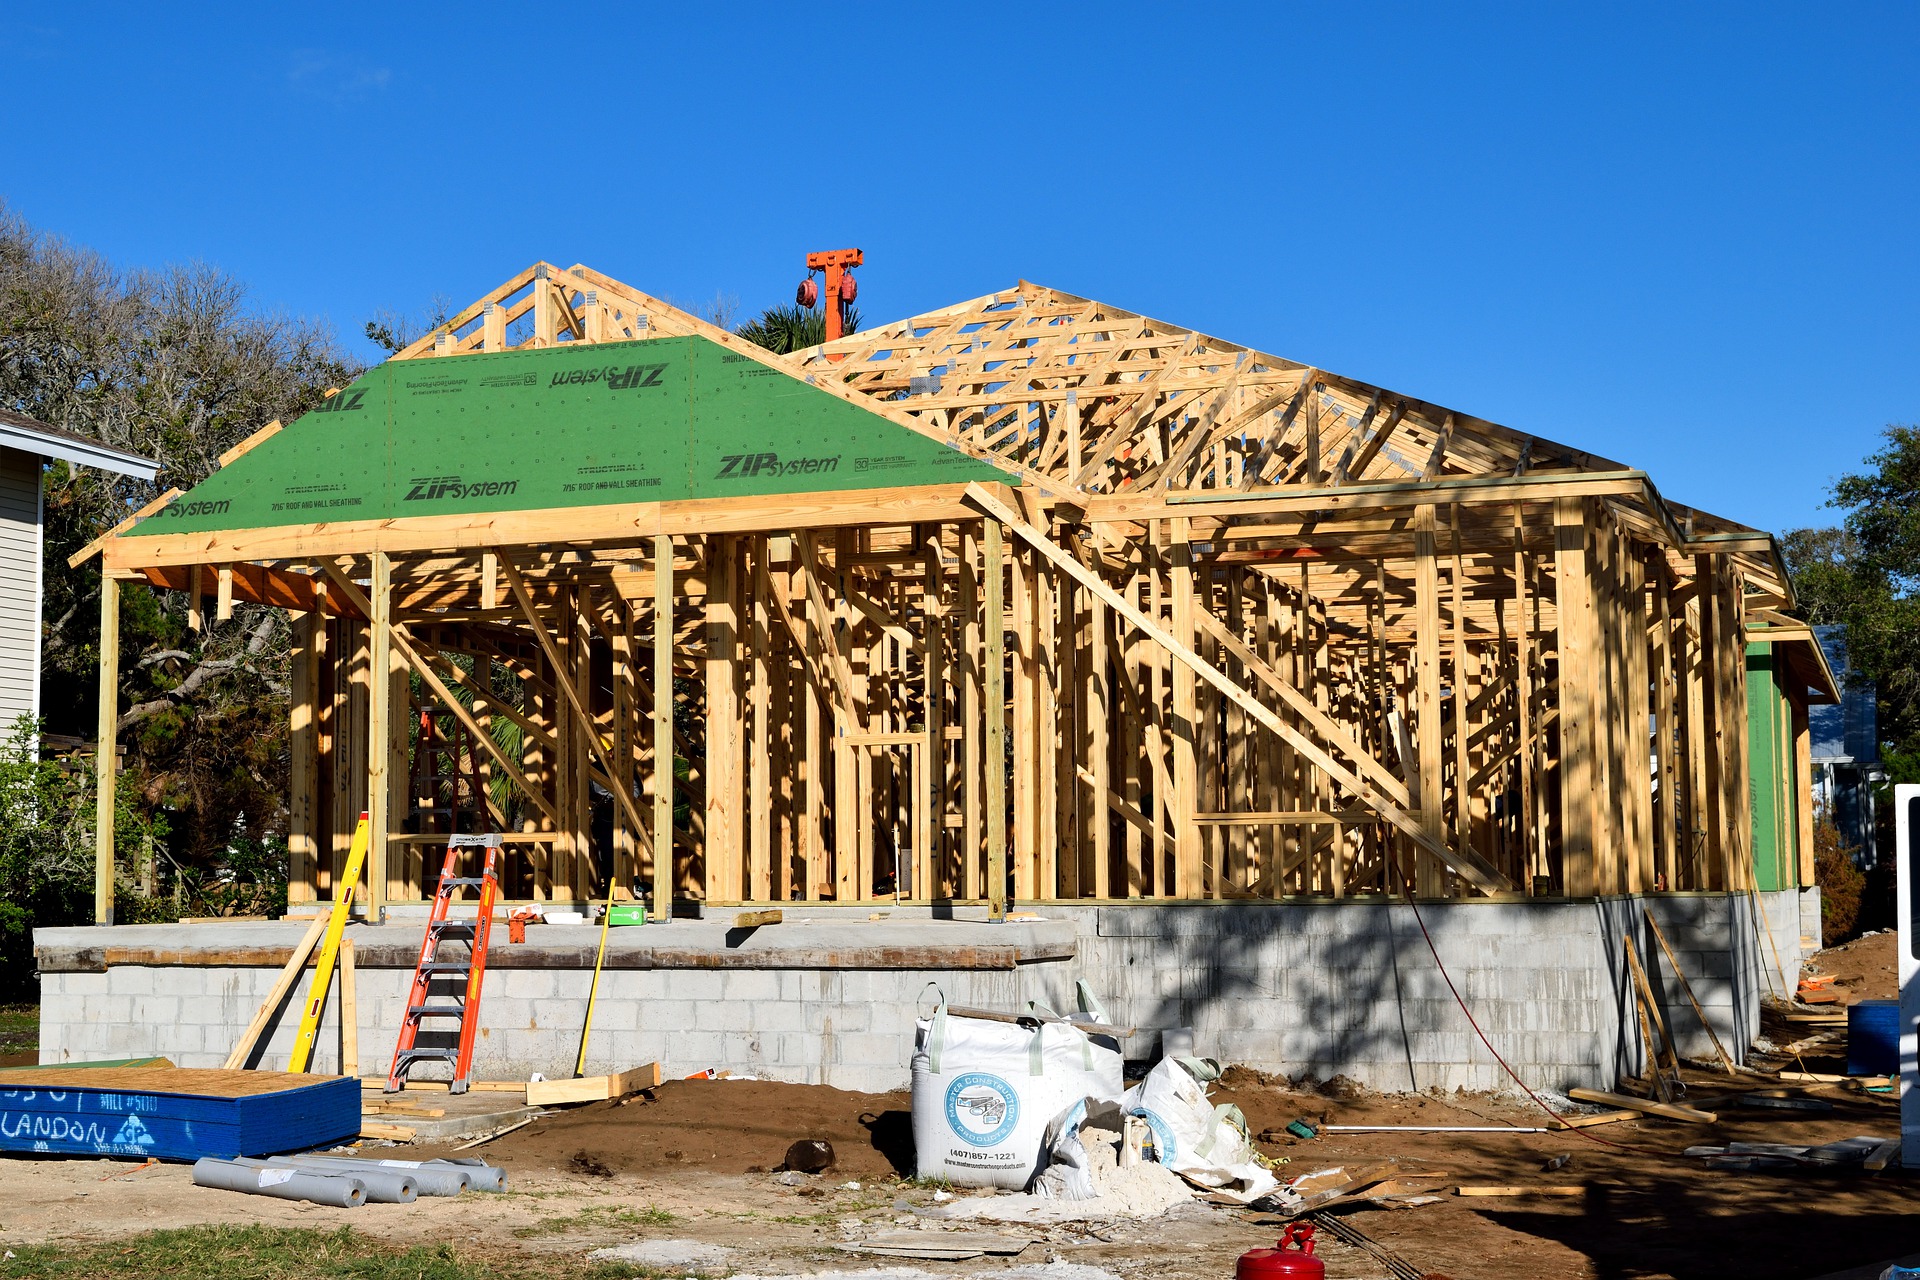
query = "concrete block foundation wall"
x=830 y=998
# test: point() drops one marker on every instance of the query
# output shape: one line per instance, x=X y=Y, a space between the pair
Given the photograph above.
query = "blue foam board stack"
x=174 y=1113
x=1873 y=1038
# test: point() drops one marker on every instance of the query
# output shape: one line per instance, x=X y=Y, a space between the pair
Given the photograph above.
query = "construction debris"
x=810 y=1155
x=1669 y=1111
x=554 y=1093
x=1746 y=1157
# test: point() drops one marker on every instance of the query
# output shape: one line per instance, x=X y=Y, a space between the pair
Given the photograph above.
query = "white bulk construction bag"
x=984 y=1093
x=1206 y=1144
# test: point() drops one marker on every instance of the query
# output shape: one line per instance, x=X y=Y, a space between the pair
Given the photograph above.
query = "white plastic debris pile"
x=1093 y=1173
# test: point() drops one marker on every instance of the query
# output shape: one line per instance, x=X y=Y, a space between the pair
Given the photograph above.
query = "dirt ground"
x=699 y=1161
x=1865 y=969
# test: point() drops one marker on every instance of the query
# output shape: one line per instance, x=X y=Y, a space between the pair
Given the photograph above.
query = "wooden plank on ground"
x=476 y=1086
x=754 y=919
x=1587 y=1122
x=1670 y=1111
x=391 y=1132
x=554 y=1093
x=1558 y=1190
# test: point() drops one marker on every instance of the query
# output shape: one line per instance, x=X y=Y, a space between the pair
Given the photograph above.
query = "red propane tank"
x=1286 y=1262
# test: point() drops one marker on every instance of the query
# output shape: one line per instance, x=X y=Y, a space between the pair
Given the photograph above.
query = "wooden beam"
x=993 y=607
x=379 y=729
x=1574 y=606
x=1427 y=730
x=662 y=781
x=106 y=753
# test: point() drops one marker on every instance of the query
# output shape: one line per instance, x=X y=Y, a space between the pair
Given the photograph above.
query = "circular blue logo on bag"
x=982 y=1109
x=1164 y=1147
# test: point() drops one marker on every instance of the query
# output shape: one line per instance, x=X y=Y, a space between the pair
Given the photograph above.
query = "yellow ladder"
x=330 y=948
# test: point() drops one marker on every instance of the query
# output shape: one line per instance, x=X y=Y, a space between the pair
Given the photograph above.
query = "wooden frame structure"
x=1233 y=628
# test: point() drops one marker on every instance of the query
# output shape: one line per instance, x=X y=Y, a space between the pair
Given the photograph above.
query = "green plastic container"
x=626 y=914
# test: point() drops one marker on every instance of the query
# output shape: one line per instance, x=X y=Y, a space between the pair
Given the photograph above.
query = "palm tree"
x=786 y=329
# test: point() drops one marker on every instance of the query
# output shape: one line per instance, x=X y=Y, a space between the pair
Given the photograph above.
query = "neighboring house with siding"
x=25 y=448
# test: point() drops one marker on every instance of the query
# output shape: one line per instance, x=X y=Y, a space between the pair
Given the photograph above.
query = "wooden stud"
x=1431 y=797
x=662 y=777
x=996 y=721
x=379 y=731
x=106 y=753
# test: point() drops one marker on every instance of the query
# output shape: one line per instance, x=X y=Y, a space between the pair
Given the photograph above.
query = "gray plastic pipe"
x=337 y=1190
x=427 y=1179
x=481 y=1175
x=384 y=1186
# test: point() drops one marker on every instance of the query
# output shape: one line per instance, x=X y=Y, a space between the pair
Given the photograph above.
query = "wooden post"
x=1712 y=818
x=625 y=711
x=1429 y=879
x=379 y=721
x=662 y=728
x=1523 y=699
x=972 y=771
x=759 y=880
x=1802 y=784
x=929 y=840
x=1186 y=711
x=994 y=607
x=1574 y=601
x=724 y=792
x=303 y=675
x=1099 y=713
x=106 y=749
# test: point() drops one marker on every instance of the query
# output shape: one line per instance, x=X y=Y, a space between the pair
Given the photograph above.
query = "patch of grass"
x=19 y=1028
x=606 y=1217
x=280 y=1253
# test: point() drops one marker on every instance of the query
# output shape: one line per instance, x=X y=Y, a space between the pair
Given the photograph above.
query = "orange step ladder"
x=463 y=1006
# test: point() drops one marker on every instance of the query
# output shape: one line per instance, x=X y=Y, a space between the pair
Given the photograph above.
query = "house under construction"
x=1027 y=602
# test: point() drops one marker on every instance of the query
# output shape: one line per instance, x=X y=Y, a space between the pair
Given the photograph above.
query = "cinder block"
x=872 y=1049
x=723 y=1015
x=616 y=1015
x=130 y=980
x=156 y=1011
x=692 y=1051
x=667 y=1015
x=522 y=984
x=202 y=1010
x=751 y=984
x=694 y=984
x=772 y=1016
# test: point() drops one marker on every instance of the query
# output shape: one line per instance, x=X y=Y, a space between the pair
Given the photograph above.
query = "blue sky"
x=1679 y=235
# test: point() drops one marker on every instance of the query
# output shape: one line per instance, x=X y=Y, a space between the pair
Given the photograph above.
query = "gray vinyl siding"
x=19 y=586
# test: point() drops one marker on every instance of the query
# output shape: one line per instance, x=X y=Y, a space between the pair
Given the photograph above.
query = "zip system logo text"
x=433 y=488
x=345 y=402
x=633 y=377
x=736 y=466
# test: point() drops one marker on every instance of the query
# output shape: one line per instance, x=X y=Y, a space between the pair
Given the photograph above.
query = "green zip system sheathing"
x=1771 y=773
x=659 y=420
